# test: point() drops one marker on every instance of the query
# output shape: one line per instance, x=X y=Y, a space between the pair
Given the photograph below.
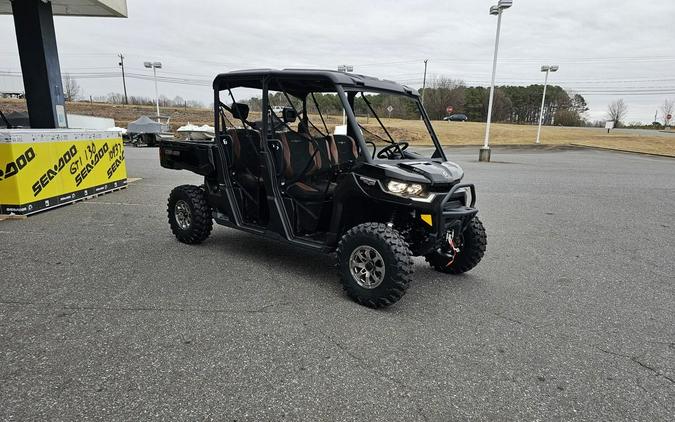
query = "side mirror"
x=288 y=114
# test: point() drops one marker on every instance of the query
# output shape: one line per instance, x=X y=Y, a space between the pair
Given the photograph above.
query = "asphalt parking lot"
x=571 y=314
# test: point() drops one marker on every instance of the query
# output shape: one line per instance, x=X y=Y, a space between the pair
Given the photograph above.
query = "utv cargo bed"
x=194 y=156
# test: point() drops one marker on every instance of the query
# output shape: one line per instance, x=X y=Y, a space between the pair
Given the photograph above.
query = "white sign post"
x=390 y=109
x=609 y=125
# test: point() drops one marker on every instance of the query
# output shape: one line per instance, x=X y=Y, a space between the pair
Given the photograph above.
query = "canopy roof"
x=301 y=81
x=94 y=8
x=144 y=124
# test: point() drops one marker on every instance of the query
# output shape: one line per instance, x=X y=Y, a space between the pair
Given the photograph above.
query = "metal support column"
x=34 y=25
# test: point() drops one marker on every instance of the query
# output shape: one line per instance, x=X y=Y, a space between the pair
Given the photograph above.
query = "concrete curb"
x=653 y=154
x=4 y=217
x=562 y=147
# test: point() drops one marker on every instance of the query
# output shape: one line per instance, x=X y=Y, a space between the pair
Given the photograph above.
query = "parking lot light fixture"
x=154 y=66
x=496 y=10
x=547 y=69
x=504 y=4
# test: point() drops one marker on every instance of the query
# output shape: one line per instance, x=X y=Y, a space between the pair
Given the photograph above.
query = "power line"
x=585 y=90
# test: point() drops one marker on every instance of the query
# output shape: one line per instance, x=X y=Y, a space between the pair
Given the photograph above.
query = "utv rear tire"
x=382 y=253
x=471 y=251
x=190 y=215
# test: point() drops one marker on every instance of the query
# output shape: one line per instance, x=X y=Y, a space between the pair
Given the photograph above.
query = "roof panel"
x=248 y=78
x=94 y=8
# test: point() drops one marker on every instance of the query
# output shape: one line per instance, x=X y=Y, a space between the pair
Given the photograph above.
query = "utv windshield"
x=393 y=126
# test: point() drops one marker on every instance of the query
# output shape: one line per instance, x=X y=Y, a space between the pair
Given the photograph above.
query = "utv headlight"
x=406 y=189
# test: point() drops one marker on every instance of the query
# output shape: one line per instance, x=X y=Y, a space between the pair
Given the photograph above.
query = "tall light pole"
x=345 y=68
x=484 y=153
x=547 y=69
x=154 y=66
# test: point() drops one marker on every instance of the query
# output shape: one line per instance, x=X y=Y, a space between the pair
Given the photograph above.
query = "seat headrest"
x=303 y=127
x=239 y=111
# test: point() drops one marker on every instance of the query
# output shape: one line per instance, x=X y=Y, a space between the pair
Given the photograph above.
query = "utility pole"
x=424 y=81
x=124 y=81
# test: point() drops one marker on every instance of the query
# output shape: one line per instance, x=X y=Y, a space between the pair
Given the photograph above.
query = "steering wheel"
x=374 y=147
x=388 y=151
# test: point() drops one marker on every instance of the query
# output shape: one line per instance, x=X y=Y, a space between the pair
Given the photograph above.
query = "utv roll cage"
x=302 y=82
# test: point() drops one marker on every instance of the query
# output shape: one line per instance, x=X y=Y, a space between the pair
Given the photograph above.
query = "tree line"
x=73 y=92
x=512 y=104
x=164 y=101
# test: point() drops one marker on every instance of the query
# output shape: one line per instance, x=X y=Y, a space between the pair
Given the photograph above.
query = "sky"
x=606 y=50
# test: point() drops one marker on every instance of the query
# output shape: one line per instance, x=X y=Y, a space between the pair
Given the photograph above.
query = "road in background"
x=103 y=314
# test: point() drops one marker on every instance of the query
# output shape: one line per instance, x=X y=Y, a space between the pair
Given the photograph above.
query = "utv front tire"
x=375 y=264
x=473 y=243
x=189 y=214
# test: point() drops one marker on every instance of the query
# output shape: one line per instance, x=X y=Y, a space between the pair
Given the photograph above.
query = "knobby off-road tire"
x=471 y=251
x=190 y=215
x=381 y=252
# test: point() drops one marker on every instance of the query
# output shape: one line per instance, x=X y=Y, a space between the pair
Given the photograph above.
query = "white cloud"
x=594 y=42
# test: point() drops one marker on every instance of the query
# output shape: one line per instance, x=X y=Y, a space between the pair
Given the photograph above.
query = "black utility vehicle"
x=357 y=189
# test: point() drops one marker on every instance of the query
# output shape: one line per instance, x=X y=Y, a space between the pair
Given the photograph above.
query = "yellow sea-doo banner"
x=39 y=171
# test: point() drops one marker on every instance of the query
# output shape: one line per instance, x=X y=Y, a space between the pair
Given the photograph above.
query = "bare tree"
x=442 y=92
x=71 y=89
x=616 y=111
x=115 y=98
x=667 y=109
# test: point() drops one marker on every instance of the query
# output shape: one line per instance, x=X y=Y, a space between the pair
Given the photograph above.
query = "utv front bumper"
x=451 y=213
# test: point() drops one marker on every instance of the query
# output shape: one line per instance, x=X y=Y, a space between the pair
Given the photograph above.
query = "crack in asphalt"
x=635 y=359
x=654 y=399
x=654 y=370
x=370 y=368
x=632 y=358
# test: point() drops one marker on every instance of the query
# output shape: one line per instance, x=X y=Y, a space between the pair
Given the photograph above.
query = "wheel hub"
x=367 y=267
x=182 y=215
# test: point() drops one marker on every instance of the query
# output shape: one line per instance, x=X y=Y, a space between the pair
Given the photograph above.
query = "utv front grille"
x=453 y=203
